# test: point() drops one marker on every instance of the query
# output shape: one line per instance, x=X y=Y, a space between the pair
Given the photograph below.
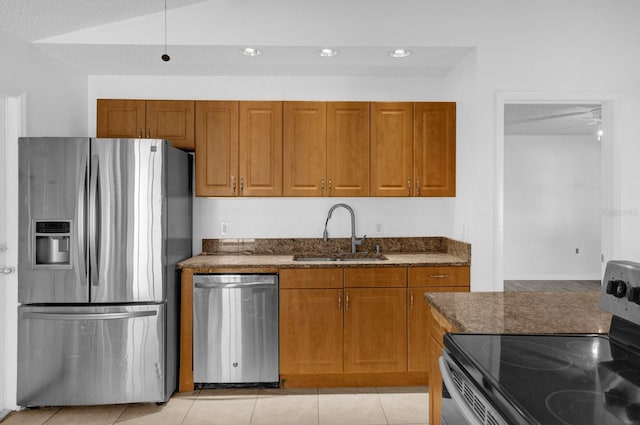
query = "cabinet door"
x=435 y=382
x=120 y=118
x=391 y=148
x=216 y=148
x=375 y=330
x=348 y=148
x=418 y=316
x=304 y=148
x=173 y=120
x=260 y=148
x=311 y=331
x=434 y=149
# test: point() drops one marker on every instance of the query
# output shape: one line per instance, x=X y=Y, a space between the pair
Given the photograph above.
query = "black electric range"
x=554 y=379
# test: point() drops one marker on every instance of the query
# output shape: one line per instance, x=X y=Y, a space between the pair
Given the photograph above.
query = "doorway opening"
x=11 y=127
x=552 y=196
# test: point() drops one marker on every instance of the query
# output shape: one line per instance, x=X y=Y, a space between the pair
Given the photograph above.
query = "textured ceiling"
x=33 y=20
x=552 y=119
x=126 y=37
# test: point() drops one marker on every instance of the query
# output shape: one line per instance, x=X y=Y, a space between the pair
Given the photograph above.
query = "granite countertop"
x=286 y=261
x=278 y=253
x=522 y=312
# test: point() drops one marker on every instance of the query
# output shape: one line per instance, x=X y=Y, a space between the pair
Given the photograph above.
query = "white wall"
x=571 y=50
x=295 y=217
x=56 y=95
x=46 y=98
x=552 y=207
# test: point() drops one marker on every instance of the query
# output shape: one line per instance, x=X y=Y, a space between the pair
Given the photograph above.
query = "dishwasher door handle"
x=220 y=285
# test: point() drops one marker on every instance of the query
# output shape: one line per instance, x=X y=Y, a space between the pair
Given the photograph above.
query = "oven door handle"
x=465 y=410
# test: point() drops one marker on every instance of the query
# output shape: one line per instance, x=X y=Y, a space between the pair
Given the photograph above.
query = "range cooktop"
x=554 y=379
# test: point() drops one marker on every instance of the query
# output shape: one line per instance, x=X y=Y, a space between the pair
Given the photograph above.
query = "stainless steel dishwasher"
x=235 y=328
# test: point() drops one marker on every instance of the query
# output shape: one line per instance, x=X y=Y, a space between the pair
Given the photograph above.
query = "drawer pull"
x=339 y=300
x=411 y=300
x=438 y=276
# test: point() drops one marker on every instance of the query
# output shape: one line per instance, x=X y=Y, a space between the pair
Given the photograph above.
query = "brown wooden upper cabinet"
x=413 y=149
x=391 y=148
x=157 y=119
x=238 y=148
x=326 y=149
x=434 y=149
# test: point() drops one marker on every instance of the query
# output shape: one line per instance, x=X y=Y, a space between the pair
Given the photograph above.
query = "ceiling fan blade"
x=545 y=117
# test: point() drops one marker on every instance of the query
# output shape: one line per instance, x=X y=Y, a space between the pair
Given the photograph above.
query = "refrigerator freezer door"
x=126 y=220
x=53 y=179
x=91 y=355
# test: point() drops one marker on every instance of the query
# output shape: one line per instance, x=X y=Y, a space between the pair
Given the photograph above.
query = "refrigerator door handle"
x=89 y=316
x=81 y=223
x=94 y=220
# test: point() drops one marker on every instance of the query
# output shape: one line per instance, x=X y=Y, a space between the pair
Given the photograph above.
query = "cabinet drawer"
x=375 y=277
x=439 y=276
x=310 y=278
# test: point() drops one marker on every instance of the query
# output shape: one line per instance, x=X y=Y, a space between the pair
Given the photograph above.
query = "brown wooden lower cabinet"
x=418 y=314
x=435 y=382
x=335 y=331
x=375 y=331
x=437 y=327
x=310 y=331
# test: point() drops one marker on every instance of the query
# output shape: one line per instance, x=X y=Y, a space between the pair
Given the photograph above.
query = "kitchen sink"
x=339 y=257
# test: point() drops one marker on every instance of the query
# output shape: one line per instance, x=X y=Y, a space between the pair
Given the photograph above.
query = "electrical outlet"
x=224 y=228
x=577 y=250
x=379 y=228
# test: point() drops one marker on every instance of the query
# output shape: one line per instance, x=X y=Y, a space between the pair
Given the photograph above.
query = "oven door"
x=462 y=402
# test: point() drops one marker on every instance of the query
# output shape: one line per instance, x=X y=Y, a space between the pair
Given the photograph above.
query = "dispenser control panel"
x=52 y=241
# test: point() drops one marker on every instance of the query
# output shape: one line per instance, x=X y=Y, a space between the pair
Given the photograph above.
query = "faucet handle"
x=359 y=241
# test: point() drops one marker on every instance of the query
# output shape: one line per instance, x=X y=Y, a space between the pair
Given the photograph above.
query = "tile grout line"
x=124 y=410
x=318 y=403
x=51 y=417
x=382 y=406
x=255 y=403
x=196 y=395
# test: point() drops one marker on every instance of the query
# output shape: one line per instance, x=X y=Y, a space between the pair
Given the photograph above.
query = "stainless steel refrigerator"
x=103 y=223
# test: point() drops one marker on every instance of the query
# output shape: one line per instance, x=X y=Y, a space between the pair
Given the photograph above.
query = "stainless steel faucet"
x=354 y=241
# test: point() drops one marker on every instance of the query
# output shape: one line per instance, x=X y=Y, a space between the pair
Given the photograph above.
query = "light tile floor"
x=322 y=406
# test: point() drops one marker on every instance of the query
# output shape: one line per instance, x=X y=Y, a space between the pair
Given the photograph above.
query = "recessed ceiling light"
x=250 y=51
x=400 y=53
x=328 y=53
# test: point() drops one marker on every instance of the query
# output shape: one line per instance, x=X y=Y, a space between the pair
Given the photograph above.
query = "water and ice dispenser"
x=52 y=242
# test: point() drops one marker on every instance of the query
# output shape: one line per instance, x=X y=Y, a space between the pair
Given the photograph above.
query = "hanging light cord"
x=165 y=56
